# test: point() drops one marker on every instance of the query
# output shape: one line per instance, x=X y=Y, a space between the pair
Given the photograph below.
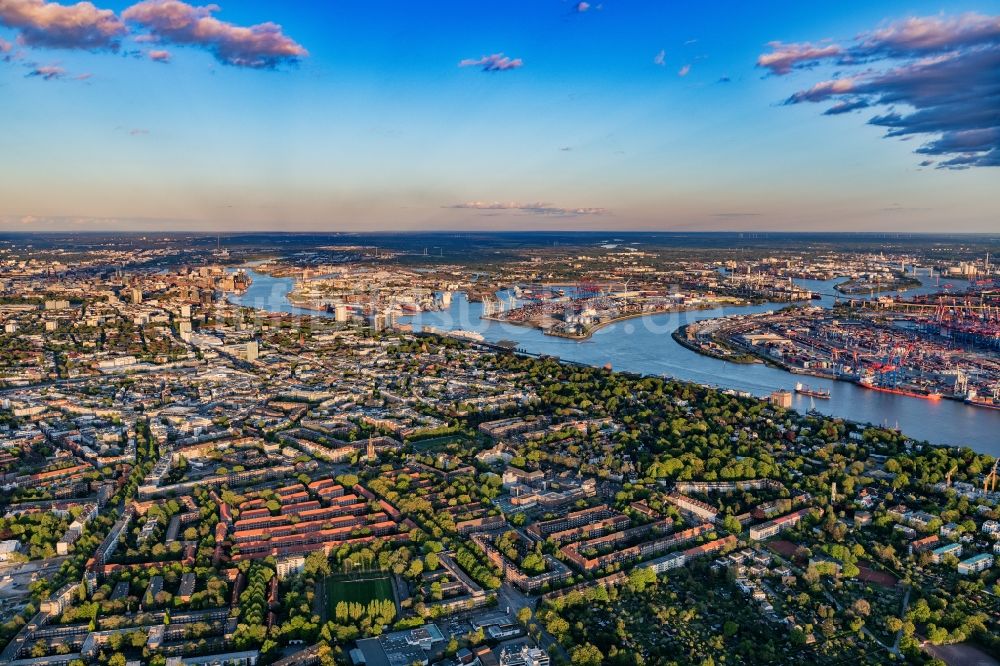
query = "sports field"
x=361 y=588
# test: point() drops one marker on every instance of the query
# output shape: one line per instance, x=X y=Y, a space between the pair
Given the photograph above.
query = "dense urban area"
x=190 y=481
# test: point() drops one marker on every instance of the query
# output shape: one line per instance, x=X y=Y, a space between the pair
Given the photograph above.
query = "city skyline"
x=255 y=116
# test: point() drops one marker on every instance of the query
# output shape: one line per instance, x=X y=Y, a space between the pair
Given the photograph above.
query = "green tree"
x=587 y=655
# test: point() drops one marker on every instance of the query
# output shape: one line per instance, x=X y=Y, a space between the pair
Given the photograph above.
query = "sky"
x=536 y=114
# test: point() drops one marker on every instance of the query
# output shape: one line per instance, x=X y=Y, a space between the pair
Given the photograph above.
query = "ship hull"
x=985 y=405
x=896 y=391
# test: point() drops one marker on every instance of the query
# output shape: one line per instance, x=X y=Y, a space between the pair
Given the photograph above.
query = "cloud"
x=39 y=221
x=822 y=91
x=937 y=79
x=47 y=72
x=724 y=79
x=660 y=58
x=934 y=34
x=51 y=25
x=261 y=46
x=846 y=106
x=4 y=46
x=497 y=62
x=537 y=208
x=138 y=131
x=783 y=58
x=581 y=6
x=159 y=55
x=683 y=71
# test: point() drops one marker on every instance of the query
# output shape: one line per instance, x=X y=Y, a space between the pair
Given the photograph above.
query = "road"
x=510 y=597
x=902 y=616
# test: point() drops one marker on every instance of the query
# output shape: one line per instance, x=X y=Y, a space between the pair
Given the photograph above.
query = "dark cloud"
x=933 y=34
x=937 y=79
x=846 y=106
x=51 y=25
x=497 y=62
x=262 y=46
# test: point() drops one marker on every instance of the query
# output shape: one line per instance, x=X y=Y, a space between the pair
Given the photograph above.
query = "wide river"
x=644 y=345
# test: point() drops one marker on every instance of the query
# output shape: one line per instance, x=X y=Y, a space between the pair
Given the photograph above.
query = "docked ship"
x=869 y=383
x=976 y=400
x=805 y=389
x=466 y=335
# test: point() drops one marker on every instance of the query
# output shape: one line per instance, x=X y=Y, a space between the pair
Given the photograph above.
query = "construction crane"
x=990 y=482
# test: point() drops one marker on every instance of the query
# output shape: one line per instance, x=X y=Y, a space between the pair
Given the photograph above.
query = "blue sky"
x=365 y=120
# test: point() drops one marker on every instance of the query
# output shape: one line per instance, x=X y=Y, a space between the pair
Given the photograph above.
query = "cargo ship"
x=869 y=383
x=982 y=401
x=805 y=389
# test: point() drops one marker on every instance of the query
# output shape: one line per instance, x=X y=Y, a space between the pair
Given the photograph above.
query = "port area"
x=892 y=348
x=877 y=283
x=701 y=339
x=579 y=318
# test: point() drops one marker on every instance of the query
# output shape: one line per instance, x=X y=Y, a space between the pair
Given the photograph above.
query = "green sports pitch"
x=361 y=588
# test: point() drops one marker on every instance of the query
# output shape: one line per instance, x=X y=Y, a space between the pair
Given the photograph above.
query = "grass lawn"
x=361 y=588
x=437 y=443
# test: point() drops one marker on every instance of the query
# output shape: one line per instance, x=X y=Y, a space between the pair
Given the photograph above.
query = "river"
x=644 y=345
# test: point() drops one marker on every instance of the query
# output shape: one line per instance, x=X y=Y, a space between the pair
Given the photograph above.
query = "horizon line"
x=296 y=232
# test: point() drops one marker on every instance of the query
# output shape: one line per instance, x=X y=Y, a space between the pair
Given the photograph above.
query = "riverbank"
x=649 y=348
